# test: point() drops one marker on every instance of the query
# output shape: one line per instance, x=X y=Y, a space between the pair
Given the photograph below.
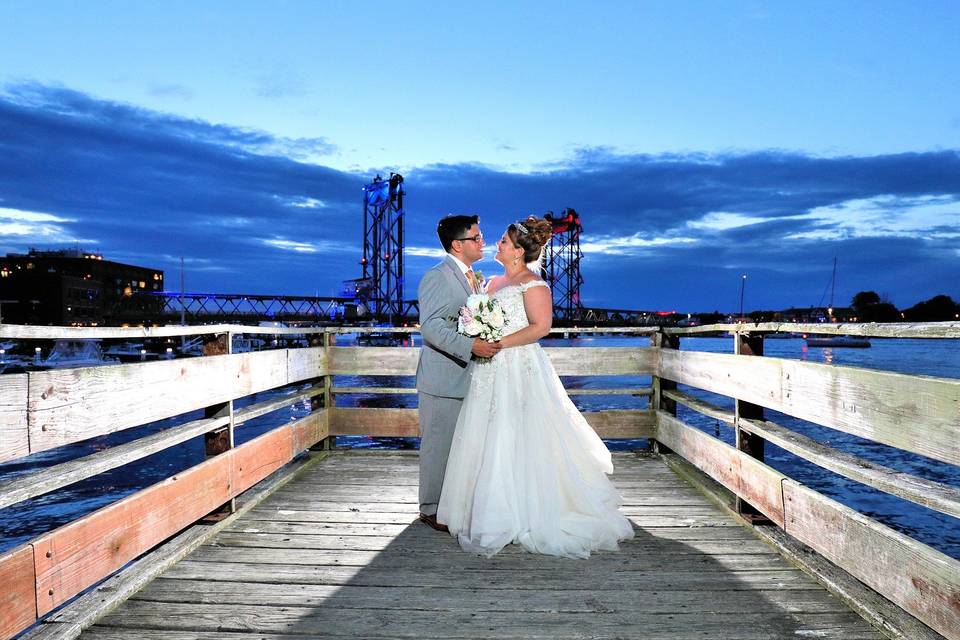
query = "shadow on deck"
x=339 y=552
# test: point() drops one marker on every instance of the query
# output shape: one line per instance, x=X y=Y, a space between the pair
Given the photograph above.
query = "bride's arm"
x=539 y=307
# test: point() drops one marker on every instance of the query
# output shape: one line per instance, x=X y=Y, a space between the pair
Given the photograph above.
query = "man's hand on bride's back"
x=484 y=349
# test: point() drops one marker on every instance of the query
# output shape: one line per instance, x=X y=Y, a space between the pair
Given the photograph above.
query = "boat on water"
x=836 y=341
x=130 y=352
x=72 y=353
x=847 y=342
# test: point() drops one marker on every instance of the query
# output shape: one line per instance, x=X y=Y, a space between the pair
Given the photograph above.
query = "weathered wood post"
x=330 y=442
x=658 y=402
x=219 y=440
x=745 y=344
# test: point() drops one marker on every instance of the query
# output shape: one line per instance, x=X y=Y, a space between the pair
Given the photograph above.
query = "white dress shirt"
x=463 y=268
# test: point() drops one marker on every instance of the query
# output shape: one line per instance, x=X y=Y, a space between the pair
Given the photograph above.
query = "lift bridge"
x=378 y=295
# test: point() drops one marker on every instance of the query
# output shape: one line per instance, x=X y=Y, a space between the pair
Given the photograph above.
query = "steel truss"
x=562 y=264
x=207 y=307
x=204 y=307
x=585 y=316
x=383 y=248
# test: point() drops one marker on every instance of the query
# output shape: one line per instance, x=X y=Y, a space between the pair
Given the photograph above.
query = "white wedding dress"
x=525 y=466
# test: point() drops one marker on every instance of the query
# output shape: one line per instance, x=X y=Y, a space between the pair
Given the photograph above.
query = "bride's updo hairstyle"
x=530 y=235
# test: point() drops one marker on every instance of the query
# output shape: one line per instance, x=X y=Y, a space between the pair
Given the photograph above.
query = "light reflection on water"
x=922 y=357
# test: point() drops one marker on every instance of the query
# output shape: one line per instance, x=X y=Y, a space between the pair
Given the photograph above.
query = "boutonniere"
x=481 y=281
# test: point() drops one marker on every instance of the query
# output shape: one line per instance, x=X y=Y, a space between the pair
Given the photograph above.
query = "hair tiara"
x=519 y=226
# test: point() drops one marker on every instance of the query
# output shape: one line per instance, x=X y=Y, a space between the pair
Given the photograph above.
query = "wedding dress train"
x=525 y=466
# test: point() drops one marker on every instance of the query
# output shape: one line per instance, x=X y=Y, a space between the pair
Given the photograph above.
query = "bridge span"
x=198 y=308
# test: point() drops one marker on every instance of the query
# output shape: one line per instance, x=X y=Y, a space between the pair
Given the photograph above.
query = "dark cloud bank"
x=250 y=217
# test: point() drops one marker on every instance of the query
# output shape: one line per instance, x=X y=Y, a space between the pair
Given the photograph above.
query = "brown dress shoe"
x=431 y=521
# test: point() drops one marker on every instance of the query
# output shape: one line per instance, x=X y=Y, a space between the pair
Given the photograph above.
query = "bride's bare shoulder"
x=531 y=277
x=493 y=284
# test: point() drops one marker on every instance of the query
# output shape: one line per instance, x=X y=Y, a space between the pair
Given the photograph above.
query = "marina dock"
x=284 y=536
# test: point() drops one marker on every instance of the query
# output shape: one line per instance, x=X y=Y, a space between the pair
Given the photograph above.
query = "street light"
x=743 y=283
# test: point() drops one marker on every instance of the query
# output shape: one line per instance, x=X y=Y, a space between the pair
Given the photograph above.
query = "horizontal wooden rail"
x=928 y=493
x=378 y=361
x=48 y=409
x=749 y=478
x=376 y=422
x=701 y=406
x=571 y=361
x=42 y=574
x=866 y=329
x=918 y=578
x=46 y=480
x=31 y=332
x=373 y=390
x=639 y=392
x=914 y=413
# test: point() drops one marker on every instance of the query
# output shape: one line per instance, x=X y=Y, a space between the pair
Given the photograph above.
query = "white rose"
x=495 y=319
x=476 y=302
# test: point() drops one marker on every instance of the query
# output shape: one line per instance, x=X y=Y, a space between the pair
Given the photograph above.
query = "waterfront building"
x=72 y=287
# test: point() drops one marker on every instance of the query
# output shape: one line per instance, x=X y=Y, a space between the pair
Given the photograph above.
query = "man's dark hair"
x=454 y=227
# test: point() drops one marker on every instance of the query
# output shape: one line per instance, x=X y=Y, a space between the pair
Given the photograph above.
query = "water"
x=941 y=358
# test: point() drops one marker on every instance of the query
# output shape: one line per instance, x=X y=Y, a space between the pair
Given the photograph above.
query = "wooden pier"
x=266 y=540
x=339 y=552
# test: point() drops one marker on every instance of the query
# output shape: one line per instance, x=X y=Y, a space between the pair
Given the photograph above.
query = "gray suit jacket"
x=442 y=369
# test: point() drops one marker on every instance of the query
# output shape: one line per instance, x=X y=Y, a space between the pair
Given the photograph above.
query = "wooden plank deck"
x=339 y=552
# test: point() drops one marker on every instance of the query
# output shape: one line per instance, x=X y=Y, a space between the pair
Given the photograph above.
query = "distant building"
x=71 y=287
x=818 y=314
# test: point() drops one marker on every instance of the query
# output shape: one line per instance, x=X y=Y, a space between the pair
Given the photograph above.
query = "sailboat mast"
x=833 y=284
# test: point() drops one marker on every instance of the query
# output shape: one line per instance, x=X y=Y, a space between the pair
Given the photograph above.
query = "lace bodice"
x=511 y=298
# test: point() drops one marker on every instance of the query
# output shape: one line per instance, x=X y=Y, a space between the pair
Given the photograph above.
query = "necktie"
x=472 y=279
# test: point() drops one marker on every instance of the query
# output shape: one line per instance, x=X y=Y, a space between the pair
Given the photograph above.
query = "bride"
x=525 y=466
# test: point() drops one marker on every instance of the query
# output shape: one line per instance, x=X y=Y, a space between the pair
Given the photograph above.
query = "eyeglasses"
x=476 y=238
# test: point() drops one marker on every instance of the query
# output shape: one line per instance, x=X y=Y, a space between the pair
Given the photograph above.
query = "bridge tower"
x=382 y=290
x=562 y=264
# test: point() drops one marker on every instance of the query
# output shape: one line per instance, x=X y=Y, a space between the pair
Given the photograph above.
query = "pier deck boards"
x=339 y=552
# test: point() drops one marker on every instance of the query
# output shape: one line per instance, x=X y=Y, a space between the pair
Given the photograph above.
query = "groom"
x=442 y=378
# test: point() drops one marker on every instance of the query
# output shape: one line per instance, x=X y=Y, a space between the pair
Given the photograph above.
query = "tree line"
x=867 y=306
x=870 y=307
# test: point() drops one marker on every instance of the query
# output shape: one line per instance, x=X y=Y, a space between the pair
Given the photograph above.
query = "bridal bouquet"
x=482 y=317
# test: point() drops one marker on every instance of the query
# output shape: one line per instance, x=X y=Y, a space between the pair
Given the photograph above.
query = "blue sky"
x=698 y=140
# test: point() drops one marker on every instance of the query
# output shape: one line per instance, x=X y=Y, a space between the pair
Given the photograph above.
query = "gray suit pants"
x=438 y=421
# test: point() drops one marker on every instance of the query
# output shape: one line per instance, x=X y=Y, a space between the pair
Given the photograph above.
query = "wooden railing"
x=919 y=414
x=43 y=410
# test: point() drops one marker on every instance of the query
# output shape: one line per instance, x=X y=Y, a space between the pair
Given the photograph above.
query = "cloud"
x=660 y=231
x=29 y=216
x=78 y=109
x=424 y=252
x=722 y=220
x=307 y=203
x=16 y=225
x=306 y=247
x=628 y=245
